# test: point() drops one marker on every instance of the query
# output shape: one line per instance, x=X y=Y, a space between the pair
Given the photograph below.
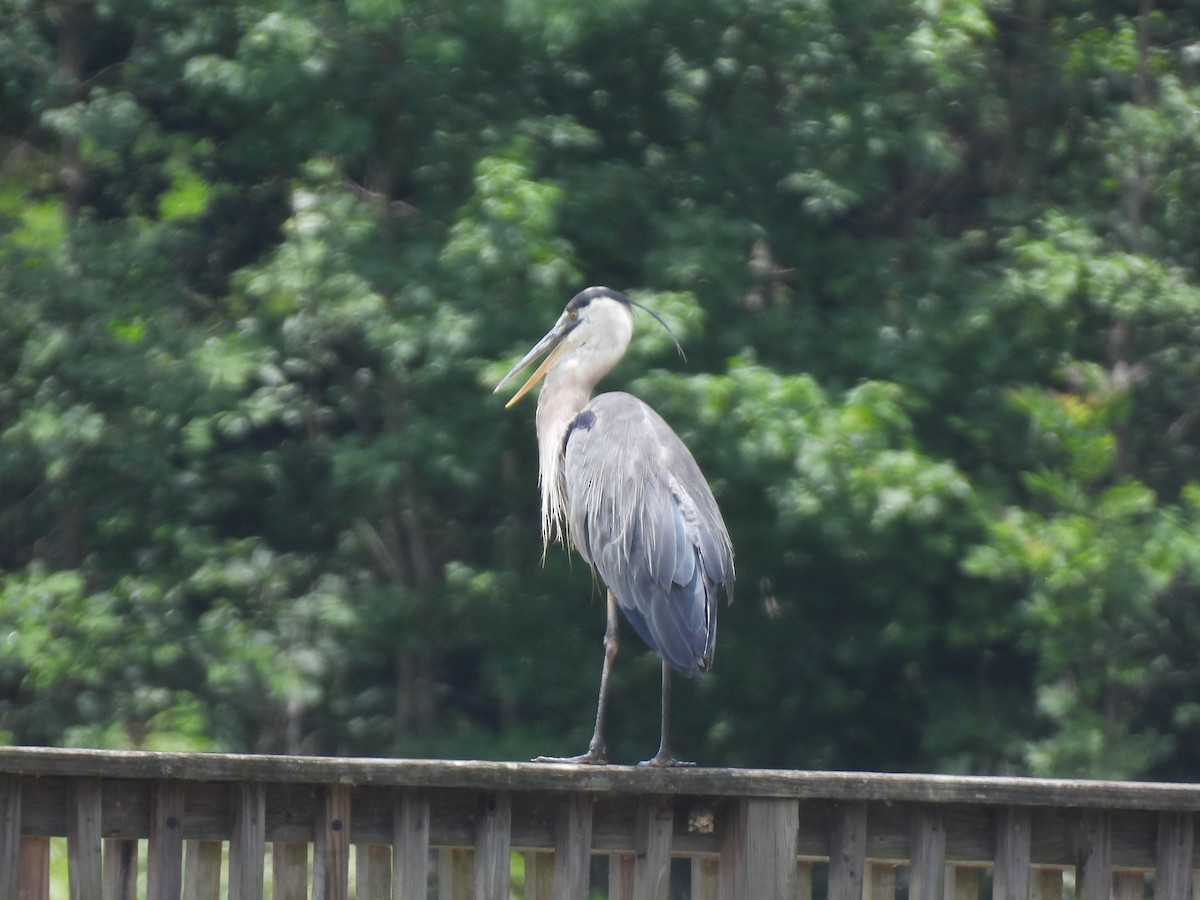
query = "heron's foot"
x=591 y=758
x=664 y=761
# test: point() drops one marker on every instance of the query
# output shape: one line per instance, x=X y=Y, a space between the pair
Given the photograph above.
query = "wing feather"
x=641 y=513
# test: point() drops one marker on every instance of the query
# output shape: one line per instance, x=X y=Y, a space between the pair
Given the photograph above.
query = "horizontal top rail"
x=522 y=776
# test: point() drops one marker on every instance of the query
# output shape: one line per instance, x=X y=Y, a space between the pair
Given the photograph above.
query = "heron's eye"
x=573 y=314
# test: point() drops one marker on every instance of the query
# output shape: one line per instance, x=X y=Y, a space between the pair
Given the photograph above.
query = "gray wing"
x=640 y=512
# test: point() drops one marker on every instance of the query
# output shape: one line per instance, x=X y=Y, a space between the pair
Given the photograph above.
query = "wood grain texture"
x=331 y=850
x=1093 y=872
x=927 y=874
x=492 y=848
x=289 y=871
x=652 y=843
x=84 y=855
x=10 y=835
x=410 y=845
x=1012 y=873
x=164 y=853
x=573 y=848
x=35 y=869
x=202 y=870
x=247 y=844
x=758 y=857
x=120 y=869
x=848 y=851
x=838 y=786
x=1175 y=852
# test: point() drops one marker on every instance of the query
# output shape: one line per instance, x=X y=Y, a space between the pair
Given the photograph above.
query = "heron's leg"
x=663 y=756
x=597 y=754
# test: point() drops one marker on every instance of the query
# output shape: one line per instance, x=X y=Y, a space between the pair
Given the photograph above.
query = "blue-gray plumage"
x=665 y=556
x=628 y=494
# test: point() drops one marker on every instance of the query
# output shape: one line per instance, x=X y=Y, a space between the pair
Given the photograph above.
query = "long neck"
x=562 y=397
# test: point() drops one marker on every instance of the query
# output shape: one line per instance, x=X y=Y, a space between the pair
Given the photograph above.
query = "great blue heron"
x=631 y=497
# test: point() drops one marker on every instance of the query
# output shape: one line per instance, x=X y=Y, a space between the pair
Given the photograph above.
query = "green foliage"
x=935 y=266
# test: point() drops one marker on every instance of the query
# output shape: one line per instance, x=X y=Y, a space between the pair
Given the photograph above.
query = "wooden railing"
x=204 y=826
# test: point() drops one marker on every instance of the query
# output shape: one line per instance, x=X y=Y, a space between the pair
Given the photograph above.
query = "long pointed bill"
x=552 y=340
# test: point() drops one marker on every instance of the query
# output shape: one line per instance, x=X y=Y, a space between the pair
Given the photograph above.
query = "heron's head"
x=594 y=330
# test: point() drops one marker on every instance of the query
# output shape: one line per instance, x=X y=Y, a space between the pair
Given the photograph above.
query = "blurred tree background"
x=936 y=266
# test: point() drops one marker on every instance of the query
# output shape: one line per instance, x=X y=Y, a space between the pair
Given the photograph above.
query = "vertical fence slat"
x=410 y=845
x=804 y=880
x=289 y=871
x=10 y=835
x=758 y=851
x=202 y=870
x=1093 y=871
x=1047 y=884
x=963 y=883
x=1011 y=876
x=848 y=851
x=927 y=879
x=331 y=853
x=35 y=868
x=704 y=878
x=1129 y=886
x=1173 y=866
x=373 y=871
x=454 y=874
x=492 y=848
x=83 y=840
x=247 y=844
x=164 y=853
x=652 y=841
x=120 y=869
x=620 y=876
x=881 y=882
x=573 y=848
x=539 y=875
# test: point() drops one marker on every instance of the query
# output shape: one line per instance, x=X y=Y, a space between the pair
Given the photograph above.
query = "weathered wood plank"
x=652 y=840
x=1129 y=886
x=1047 y=884
x=1093 y=872
x=881 y=882
x=247 y=843
x=120 y=869
x=539 y=875
x=835 y=786
x=492 y=848
x=35 y=868
x=455 y=874
x=289 y=871
x=927 y=879
x=202 y=870
x=331 y=850
x=164 y=853
x=373 y=871
x=1011 y=875
x=847 y=851
x=758 y=855
x=804 y=880
x=573 y=848
x=410 y=845
x=84 y=858
x=963 y=883
x=620 y=876
x=704 y=878
x=1176 y=849
x=10 y=835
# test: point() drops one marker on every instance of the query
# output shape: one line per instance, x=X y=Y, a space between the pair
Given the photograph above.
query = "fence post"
x=758 y=852
x=1011 y=879
x=848 y=851
x=1093 y=873
x=492 y=848
x=10 y=835
x=928 y=854
x=164 y=853
x=573 y=848
x=248 y=842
